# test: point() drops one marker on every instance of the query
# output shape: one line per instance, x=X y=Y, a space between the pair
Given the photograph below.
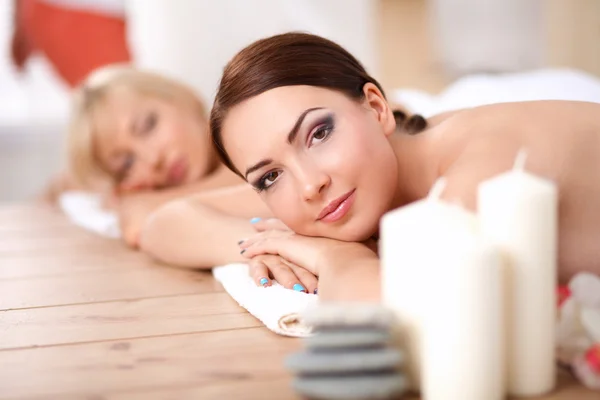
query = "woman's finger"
x=308 y=279
x=296 y=249
x=262 y=225
x=284 y=274
x=245 y=243
x=259 y=272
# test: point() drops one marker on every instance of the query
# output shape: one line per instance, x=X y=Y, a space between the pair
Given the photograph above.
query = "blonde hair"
x=82 y=161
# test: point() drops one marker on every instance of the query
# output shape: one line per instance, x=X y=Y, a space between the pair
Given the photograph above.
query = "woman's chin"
x=351 y=234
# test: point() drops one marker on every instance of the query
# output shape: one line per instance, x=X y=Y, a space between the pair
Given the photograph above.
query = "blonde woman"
x=142 y=139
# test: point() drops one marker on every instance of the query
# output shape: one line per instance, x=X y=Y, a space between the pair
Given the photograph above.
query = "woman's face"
x=149 y=143
x=321 y=161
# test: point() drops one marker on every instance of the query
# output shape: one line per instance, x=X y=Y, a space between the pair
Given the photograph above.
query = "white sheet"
x=476 y=90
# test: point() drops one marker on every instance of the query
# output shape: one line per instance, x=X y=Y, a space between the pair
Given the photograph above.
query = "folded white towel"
x=278 y=308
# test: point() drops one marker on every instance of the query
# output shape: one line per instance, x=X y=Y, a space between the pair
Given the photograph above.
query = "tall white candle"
x=463 y=336
x=410 y=238
x=518 y=213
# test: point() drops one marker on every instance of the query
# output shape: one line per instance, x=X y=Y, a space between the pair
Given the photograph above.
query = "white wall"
x=473 y=36
x=193 y=39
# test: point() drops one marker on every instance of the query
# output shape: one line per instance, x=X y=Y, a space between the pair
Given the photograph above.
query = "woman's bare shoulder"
x=481 y=142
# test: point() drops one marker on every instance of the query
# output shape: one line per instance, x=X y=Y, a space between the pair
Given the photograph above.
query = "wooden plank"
x=247 y=389
x=567 y=389
x=122 y=320
x=23 y=211
x=42 y=233
x=140 y=364
x=105 y=285
x=60 y=245
x=32 y=265
x=30 y=215
x=10 y=225
x=242 y=387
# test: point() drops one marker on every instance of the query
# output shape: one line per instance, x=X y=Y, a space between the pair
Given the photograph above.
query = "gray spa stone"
x=344 y=338
x=383 y=386
x=349 y=315
x=349 y=361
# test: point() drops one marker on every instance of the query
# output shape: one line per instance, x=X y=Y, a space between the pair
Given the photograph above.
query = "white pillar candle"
x=409 y=240
x=463 y=336
x=518 y=213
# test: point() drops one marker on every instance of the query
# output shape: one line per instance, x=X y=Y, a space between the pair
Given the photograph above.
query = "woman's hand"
x=310 y=253
x=265 y=267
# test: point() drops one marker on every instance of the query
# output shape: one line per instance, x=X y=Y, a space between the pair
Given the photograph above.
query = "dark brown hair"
x=287 y=59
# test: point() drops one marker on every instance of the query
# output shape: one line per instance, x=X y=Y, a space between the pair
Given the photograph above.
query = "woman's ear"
x=377 y=103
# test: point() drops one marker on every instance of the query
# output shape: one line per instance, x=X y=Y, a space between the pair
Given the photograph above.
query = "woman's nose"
x=314 y=183
x=152 y=159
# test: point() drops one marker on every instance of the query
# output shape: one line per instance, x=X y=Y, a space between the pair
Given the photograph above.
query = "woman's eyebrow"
x=256 y=166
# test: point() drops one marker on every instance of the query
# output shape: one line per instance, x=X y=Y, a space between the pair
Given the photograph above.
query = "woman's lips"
x=177 y=172
x=338 y=208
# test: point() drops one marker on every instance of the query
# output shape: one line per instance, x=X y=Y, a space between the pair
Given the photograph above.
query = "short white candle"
x=410 y=239
x=518 y=213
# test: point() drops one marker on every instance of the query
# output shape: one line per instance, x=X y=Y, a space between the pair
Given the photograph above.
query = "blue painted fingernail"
x=255 y=220
x=243 y=251
x=241 y=241
x=316 y=291
x=299 y=288
x=263 y=281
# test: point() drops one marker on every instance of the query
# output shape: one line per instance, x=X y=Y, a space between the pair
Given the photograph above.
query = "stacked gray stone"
x=350 y=355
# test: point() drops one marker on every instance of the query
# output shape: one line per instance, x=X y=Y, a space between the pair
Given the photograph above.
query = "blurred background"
x=47 y=46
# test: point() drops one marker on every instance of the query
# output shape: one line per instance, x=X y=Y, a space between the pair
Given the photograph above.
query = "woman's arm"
x=220 y=190
x=143 y=203
x=347 y=271
x=356 y=279
x=189 y=234
x=203 y=230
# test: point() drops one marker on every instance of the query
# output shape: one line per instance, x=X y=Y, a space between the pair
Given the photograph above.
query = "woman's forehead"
x=278 y=108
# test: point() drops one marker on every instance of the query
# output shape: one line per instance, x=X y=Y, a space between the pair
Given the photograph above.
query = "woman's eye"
x=268 y=179
x=271 y=177
x=321 y=134
x=149 y=122
x=127 y=165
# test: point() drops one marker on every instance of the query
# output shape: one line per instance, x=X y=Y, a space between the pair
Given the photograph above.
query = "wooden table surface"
x=83 y=317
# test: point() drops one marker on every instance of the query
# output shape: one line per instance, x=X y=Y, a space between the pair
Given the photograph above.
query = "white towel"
x=85 y=210
x=278 y=308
